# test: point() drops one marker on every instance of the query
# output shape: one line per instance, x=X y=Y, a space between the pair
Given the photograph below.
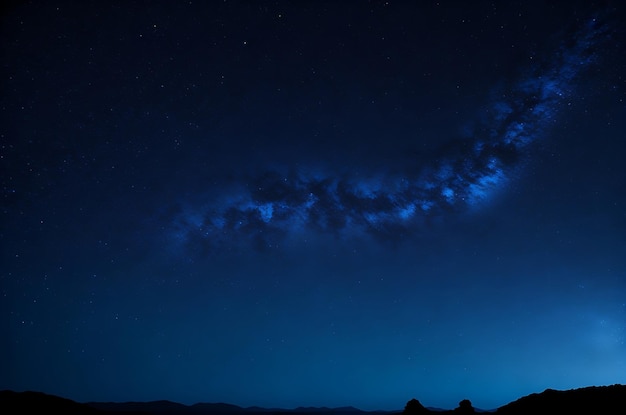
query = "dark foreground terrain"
x=596 y=400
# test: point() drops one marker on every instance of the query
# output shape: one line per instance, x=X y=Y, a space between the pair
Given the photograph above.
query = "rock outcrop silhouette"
x=465 y=407
x=414 y=407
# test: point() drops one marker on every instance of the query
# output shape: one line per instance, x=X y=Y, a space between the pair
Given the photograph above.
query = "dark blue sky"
x=311 y=203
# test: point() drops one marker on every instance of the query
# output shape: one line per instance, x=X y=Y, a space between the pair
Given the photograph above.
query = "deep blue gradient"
x=290 y=204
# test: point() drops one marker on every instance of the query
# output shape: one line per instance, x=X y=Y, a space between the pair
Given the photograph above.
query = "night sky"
x=312 y=203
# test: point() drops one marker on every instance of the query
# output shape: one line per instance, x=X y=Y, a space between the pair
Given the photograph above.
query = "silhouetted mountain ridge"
x=596 y=400
x=168 y=407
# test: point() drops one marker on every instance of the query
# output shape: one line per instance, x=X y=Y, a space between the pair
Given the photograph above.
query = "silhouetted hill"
x=29 y=403
x=596 y=400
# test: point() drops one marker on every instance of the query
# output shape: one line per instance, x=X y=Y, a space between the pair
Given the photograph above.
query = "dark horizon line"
x=224 y=408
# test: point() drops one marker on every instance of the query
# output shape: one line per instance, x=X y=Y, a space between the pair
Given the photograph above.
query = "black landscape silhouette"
x=596 y=400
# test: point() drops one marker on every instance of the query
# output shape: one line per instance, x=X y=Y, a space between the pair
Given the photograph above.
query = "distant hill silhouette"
x=152 y=407
x=596 y=400
x=172 y=408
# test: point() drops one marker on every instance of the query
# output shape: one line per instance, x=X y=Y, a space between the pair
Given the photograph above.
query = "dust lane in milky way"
x=261 y=210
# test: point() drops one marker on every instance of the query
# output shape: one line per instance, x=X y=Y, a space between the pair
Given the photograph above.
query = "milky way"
x=266 y=208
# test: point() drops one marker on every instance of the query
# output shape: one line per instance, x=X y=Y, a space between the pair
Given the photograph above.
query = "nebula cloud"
x=277 y=204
